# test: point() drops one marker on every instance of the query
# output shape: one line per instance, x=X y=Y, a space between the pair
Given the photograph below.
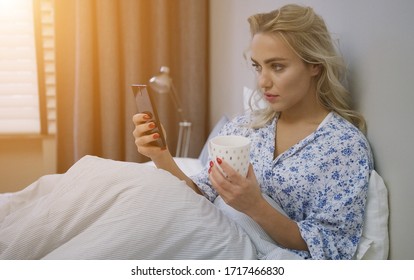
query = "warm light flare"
x=19 y=102
x=10 y=8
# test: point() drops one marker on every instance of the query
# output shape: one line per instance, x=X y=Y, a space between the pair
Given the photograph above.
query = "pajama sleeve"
x=334 y=227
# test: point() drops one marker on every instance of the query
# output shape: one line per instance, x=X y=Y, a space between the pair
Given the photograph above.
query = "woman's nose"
x=265 y=80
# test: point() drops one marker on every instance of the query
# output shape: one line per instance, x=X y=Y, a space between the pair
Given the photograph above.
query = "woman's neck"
x=309 y=111
x=311 y=117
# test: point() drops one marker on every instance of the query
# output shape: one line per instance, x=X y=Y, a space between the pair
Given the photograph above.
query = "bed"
x=99 y=209
x=106 y=209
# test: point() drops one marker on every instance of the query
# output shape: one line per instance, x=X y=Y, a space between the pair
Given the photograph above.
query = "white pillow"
x=190 y=166
x=374 y=243
x=203 y=157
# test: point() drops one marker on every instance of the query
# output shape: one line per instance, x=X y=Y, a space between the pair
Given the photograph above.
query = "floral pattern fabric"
x=321 y=182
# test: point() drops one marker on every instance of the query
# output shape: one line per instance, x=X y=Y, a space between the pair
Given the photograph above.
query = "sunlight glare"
x=11 y=8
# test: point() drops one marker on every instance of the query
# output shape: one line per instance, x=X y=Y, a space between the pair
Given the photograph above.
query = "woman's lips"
x=271 y=97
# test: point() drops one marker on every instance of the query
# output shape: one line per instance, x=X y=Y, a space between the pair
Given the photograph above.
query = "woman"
x=309 y=153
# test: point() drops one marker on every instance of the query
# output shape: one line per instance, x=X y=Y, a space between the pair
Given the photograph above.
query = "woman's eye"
x=257 y=67
x=277 y=67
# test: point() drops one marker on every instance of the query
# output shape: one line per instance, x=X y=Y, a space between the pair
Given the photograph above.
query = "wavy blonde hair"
x=306 y=33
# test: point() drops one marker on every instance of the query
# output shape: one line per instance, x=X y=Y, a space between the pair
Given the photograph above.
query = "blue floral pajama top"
x=321 y=182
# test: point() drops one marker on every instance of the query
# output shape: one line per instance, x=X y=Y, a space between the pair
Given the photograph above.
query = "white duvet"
x=105 y=209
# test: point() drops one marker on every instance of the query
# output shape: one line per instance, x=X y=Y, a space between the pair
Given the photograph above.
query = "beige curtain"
x=104 y=46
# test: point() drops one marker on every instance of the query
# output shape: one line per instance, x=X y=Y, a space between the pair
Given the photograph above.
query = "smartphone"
x=146 y=104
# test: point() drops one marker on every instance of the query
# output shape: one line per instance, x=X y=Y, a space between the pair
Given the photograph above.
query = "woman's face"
x=287 y=82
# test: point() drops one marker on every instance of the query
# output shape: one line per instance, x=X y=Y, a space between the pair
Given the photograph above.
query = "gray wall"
x=377 y=40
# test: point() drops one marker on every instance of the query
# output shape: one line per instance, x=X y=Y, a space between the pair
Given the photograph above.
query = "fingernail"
x=211 y=163
x=156 y=136
x=151 y=125
x=147 y=117
x=219 y=160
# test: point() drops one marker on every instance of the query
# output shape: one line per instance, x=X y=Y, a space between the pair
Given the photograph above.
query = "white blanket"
x=104 y=209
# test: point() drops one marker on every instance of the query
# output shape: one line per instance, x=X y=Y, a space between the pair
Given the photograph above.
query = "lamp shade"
x=162 y=82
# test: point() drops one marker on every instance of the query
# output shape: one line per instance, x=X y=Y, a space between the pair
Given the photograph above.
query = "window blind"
x=48 y=45
x=19 y=102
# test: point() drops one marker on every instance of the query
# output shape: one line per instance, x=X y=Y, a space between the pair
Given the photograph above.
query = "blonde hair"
x=306 y=33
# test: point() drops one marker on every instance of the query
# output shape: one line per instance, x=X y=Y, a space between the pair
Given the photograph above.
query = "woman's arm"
x=166 y=161
x=162 y=158
x=280 y=228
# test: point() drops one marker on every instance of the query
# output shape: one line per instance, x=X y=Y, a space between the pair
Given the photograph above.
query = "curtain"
x=104 y=46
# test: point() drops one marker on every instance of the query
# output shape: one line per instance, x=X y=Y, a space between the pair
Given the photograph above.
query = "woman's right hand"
x=162 y=158
x=143 y=139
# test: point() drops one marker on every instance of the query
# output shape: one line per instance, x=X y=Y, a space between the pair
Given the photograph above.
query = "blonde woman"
x=308 y=150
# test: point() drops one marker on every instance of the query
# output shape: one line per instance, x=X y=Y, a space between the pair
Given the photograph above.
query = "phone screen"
x=146 y=104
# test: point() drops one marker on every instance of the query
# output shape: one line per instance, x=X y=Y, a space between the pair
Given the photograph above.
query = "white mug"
x=233 y=149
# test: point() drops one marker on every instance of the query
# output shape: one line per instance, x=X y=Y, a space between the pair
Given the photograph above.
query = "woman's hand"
x=161 y=157
x=144 y=139
x=243 y=194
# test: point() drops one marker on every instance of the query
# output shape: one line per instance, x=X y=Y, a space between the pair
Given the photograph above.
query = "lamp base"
x=183 y=143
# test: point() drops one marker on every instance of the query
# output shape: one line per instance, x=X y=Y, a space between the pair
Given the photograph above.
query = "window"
x=27 y=67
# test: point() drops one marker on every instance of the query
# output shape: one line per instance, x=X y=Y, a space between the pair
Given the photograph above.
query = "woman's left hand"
x=241 y=193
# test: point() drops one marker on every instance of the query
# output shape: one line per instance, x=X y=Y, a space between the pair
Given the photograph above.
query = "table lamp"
x=162 y=84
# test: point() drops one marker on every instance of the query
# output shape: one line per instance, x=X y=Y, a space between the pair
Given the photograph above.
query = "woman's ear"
x=315 y=69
